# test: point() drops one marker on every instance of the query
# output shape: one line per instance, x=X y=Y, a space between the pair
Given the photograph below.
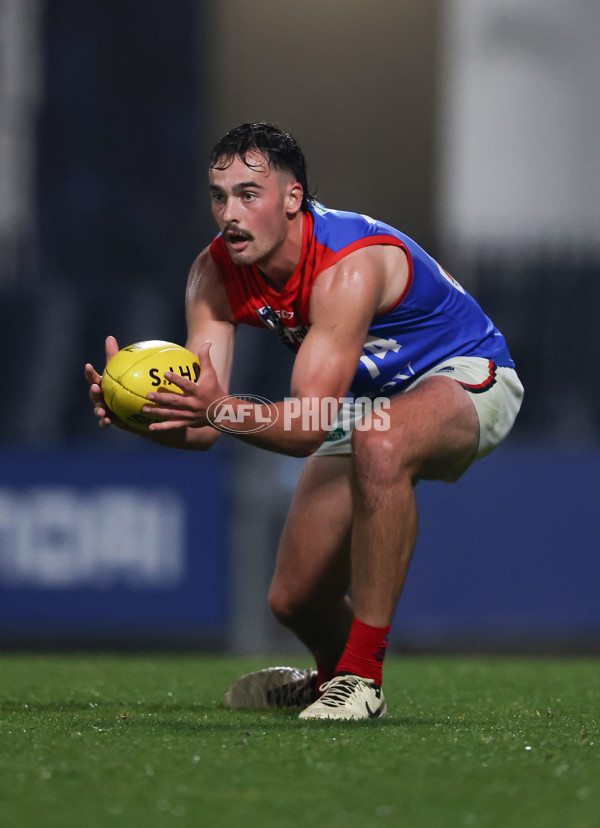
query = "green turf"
x=144 y=740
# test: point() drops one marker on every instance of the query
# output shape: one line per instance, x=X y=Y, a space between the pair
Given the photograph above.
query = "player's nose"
x=229 y=211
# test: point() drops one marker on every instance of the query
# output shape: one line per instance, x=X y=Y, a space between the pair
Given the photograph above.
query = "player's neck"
x=278 y=267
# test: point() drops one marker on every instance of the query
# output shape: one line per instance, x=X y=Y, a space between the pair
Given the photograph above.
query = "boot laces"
x=337 y=691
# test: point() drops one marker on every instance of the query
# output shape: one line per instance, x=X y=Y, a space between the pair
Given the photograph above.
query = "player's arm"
x=344 y=300
x=208 y=317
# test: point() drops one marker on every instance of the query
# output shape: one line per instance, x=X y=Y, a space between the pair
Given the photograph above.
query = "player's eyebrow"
x=237 y=188
x=248 y=185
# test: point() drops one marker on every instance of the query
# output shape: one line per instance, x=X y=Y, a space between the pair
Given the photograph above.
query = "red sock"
x=364 y=652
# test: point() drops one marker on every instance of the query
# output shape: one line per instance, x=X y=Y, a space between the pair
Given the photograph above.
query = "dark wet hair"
x=281 y=150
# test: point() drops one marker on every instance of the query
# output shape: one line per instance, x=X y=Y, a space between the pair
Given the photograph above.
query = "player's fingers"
x=167 y=425
x=204 y=355
x=91 y=375
x=111 y=347
x=189 y=414
x=179 y=401
x=104 y=416
x=206 y=366
x=181 y=382
x=96 y=393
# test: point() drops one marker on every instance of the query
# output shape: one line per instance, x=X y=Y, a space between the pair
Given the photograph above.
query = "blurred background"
x=472 y=125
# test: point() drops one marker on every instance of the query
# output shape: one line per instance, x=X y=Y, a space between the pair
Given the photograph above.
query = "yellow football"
x=138 y=369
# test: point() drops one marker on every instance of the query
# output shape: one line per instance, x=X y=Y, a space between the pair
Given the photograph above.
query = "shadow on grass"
x=200 y=716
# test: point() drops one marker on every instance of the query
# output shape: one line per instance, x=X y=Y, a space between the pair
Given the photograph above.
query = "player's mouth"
x=237 y=239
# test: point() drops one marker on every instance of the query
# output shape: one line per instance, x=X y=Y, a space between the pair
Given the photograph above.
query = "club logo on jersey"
x=276 y=320
x=450 y=279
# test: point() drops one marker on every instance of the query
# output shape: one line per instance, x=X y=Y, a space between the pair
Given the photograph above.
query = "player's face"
x=252 y=206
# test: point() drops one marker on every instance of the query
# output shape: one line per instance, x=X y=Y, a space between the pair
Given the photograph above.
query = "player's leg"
x=308 y=591
x=312 y=573
x=433 y=434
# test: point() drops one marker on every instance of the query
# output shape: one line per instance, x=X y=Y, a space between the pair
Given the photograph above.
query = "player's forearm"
x=286 y=427
x=187 y=439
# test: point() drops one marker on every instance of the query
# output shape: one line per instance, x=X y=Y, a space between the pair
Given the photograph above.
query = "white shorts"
x=495 y=392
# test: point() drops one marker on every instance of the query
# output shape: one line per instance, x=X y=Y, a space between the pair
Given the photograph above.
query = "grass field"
x=145 y=740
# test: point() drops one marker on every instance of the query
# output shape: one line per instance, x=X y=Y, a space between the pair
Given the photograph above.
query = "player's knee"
x=376 y=453
x=284 y=605
x=380 y=460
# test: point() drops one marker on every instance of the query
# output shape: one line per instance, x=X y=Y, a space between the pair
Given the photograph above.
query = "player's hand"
x=190 y=407
x=101 y=410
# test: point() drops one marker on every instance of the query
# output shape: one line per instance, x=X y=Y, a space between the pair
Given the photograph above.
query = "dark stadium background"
x=121 y=111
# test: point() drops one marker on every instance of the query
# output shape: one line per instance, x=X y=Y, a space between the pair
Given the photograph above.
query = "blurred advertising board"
x=113 y=547
x=509 y=555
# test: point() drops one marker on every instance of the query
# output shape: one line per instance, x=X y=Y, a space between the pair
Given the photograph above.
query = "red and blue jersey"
x=434 y=318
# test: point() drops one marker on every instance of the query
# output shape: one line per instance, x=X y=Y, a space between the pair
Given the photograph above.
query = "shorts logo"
x=488 y=382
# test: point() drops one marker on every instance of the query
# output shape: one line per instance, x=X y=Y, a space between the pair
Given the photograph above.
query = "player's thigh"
x=313 y=559
x=433 y=430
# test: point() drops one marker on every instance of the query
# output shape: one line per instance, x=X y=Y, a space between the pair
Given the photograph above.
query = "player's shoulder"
x=346 y=241
x=205 y=284
x=375 y=273
x=204 y=270
x=336 y=229
x=357 y=279
x=204 y=261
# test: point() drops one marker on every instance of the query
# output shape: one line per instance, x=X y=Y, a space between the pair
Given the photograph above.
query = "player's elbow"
x=187 y=439
x=201 y=439
x=308 y=446
x=300 y=452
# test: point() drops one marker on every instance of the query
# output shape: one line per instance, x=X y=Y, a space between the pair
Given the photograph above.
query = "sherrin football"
x=136 y=370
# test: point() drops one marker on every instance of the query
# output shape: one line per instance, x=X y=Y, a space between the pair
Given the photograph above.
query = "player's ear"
x=294 y=197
